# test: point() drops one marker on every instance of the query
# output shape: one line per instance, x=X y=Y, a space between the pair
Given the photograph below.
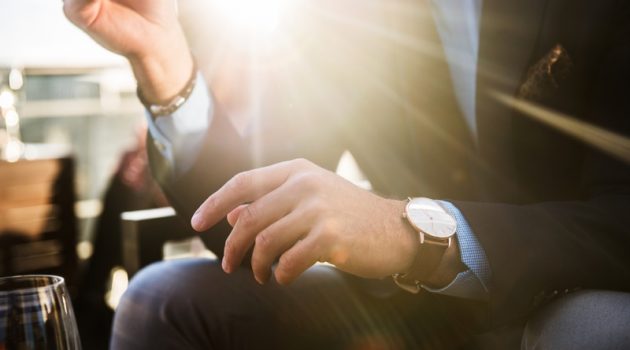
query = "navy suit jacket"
x=550 y=209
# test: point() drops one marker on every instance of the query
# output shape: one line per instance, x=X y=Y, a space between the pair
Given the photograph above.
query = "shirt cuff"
x=179 y=136
x=472 y=283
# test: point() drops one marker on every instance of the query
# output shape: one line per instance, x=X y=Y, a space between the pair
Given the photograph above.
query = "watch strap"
x=428 y=259
x=448 y=269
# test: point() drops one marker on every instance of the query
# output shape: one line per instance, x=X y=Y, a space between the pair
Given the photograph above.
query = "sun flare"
x=253 y=17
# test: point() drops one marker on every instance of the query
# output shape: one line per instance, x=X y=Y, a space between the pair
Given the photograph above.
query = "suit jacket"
x=549 y=208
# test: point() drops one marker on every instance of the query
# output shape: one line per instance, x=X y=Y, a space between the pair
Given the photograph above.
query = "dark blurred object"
x=146 y=231
x=131 y=188
x=38 y=232
x=157 y=234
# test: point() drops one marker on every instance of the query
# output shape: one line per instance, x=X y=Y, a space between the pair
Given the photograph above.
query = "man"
x=536 y=207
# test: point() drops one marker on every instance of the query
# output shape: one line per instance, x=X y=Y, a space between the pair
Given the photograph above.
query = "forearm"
x=164 y=71
x=146 y=32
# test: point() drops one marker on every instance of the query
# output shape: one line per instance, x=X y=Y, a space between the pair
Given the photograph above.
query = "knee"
x=170 y=284
x=161 y=297
x=581 y=320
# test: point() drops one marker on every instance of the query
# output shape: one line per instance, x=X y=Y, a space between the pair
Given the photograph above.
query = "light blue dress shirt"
x=179 y=135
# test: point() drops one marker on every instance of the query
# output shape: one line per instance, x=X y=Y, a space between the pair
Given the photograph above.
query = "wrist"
x=448 y=269
x=435 y=231
x=408 y=238
x=162 y=73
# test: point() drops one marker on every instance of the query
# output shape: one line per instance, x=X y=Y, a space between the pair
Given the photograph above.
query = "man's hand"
x=144 y=31
x=304 y=214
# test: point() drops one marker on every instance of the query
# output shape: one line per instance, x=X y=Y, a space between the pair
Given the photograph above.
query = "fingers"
x=79 y=2
x=81 y=12
x=299 y=258
x=275 y=240
x=253 y=219
x=232 y=217
x=242 y=188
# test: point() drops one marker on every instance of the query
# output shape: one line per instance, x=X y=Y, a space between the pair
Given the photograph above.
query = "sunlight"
x=253 y=17
x=607 y=141
x=314 y=55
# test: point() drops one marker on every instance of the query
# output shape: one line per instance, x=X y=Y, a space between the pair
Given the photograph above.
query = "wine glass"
x=36 y=313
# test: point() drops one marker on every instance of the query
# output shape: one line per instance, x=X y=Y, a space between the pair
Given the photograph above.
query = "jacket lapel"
x=508 y=35
x=440 y=143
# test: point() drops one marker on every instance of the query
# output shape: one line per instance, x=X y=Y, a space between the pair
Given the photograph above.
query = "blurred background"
x=71 y=134
x=68 y=93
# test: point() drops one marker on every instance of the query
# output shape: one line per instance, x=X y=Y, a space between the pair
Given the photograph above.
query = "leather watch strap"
x=448 y=269
x=437 y=236
x=428 y=258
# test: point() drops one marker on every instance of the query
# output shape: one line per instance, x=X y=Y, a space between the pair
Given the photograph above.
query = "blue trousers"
x=193 y=304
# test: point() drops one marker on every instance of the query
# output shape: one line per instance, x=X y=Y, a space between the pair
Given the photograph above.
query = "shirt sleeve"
x=472 y=283
x=179 y=136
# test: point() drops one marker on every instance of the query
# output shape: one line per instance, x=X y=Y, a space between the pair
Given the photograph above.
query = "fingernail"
x=224 y=265
x=197 y=220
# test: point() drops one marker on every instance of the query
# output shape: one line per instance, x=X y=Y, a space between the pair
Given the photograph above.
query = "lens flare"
x=252 y=17
x=614 y=144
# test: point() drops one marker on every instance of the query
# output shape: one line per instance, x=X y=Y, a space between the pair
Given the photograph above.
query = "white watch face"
x=429 y=217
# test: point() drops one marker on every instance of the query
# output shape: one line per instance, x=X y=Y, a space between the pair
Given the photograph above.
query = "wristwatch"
x=436 y=228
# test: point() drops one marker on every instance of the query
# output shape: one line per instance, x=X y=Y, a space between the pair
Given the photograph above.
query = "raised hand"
x=302 y=214
x=127 y=27
x=144 y=31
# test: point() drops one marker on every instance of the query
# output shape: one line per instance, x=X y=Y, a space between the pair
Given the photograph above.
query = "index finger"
x=244 y=187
